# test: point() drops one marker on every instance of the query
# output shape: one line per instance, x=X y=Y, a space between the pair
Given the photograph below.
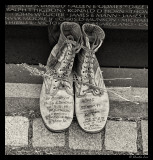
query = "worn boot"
x=57 y=96
x=91 y=98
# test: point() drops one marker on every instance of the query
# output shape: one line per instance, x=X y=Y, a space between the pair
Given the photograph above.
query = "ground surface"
x=125 y=133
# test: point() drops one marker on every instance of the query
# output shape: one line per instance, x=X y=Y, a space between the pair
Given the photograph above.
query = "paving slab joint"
x=139 y=138
x=30 y=133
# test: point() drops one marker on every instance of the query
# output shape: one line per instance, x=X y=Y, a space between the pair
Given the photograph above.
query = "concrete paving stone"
x=121 y=136
x=42 y=137
x=78 y=139
x=144 y=130
x=16 y=130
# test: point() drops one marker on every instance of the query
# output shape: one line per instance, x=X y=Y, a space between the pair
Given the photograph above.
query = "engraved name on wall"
x=107 y=16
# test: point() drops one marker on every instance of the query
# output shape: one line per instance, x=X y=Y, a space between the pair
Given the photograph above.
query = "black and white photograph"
x=76 y=80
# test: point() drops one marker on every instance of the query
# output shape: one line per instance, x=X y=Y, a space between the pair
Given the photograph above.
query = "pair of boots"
x=75 y=88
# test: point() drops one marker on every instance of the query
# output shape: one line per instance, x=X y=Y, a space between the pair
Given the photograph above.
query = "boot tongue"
x=94 y=41
x=87 y=42
x=91 y=41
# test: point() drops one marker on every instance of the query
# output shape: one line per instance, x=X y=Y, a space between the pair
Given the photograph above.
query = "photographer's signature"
x=138 y=156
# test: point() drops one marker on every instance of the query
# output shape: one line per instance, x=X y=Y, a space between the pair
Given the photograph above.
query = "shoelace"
x=37 y=72
x=63 y=84
x=63 y=80
x=70 y=57
x=89 y=72
x=92 y=88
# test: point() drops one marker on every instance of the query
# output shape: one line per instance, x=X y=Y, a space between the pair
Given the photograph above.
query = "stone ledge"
x=33 y=91
x=26 y=106
x=24 y=98
x=16 y=74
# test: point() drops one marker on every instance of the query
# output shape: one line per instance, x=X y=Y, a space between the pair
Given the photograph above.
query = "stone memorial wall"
x=106 y=16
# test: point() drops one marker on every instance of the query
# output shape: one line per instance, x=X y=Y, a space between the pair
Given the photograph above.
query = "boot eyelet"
x=97 y=91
